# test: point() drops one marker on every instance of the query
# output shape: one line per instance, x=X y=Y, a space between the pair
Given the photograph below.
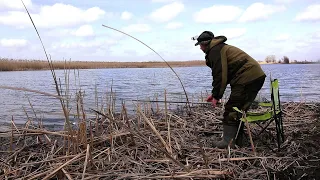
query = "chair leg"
x=266 y=144
x=240 y=134
x=256 y=136
x=278 y=128
x=264 y=128
x=281 y=127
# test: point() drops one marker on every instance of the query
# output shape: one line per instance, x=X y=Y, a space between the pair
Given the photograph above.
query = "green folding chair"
x=264 y=119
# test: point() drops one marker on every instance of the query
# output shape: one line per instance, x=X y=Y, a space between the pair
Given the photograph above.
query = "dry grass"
x=149 y=145
x=19 y=65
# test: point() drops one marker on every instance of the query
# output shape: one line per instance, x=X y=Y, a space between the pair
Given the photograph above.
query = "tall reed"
x=22 y=65
x=52 y=72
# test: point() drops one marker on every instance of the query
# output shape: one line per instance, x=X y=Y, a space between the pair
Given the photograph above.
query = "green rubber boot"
x=229 y=133
x=240 y=141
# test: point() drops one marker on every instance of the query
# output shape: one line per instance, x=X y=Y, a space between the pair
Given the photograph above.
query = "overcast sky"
x=72 y=29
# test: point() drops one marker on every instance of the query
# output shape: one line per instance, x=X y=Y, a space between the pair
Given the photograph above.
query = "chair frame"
x=276 y=114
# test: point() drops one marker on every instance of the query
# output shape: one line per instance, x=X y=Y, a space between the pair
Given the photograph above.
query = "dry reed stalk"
x=69 y=145
x=157 y=104
x=76 y=158
x=43 y=131
x=169 y=135
x=86 y=161
x=168 y=121
x=11 y=139
x=48 y=140
x=249 y=133
x=64 y=145
x=154 y=130
x=127 y=122
x=34 y=112
x=203 y=153
x=149 y=108
x=66 y=174
x=104 y=151
x=66 y=115
x=110 y=98
x=138 y=134
x=38 y=175
x=145 y=109
x=91 y=135
x=49 y=160
x=31 y=90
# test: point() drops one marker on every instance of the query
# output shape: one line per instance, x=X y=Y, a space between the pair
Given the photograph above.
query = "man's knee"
x=231 y=118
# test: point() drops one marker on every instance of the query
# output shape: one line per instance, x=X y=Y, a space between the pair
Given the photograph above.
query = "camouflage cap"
x=204 y=36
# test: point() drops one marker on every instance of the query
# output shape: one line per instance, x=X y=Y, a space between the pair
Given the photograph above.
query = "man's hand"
x=209 y=99
x=212 y=100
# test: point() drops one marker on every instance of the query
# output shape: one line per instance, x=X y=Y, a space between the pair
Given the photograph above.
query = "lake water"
x=298 y=82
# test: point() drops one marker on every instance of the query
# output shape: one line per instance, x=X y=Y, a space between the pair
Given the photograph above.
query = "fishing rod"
x=185 y=102
x=184 y=90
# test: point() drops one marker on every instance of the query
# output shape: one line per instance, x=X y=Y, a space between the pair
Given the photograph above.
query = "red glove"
x=212 y=100
x=209 y=99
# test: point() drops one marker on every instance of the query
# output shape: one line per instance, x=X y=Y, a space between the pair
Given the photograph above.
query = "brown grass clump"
x=20 y=65
x=157 y=145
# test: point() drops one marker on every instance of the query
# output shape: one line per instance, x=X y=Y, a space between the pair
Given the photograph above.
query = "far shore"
x=27 y=65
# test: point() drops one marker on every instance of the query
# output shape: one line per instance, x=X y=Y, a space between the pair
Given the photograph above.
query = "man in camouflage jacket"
x=231 y=65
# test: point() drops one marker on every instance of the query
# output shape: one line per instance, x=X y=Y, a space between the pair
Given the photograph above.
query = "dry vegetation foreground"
x=157 y=145
x=22 y=65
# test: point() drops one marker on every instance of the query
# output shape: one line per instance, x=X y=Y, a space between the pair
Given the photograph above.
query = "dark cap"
x=204 y=36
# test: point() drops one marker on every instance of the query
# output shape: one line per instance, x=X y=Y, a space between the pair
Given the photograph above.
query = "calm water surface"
x=298 y=82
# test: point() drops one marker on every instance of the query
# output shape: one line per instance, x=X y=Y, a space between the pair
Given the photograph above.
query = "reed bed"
x=159 y=144
x=21 y=65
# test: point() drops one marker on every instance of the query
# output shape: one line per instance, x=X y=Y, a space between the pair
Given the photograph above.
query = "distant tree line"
x=286 y=60
x=272 y=59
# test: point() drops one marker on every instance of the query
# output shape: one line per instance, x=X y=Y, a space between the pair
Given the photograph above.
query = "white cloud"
x=137 y=28
x=84 y=44
x=59 y=32
x=85 y=30
x=282 y=37
x=167 y=12
x=260 y=11
x=126 y=15
x=174 y=25
x=232 y=33
x=14 y=4
x=316 y=35
x=217 y=14
x=16 y=18
x=284 y=1
x=58 y=15
x=311 y=13
x=302 y=44
x=13 y=42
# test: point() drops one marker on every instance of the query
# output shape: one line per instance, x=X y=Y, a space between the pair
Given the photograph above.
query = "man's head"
x=204 y=39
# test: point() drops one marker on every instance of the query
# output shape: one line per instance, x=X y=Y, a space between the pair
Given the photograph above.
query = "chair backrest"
x=275 y=98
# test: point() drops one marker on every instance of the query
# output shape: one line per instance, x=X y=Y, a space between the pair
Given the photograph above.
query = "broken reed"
x=22 y=65
x=159 y=149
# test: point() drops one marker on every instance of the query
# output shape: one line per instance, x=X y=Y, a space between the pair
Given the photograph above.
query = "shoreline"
x=35 y=65
x=5 y=126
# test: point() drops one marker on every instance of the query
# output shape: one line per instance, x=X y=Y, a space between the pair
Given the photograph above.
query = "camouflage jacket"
x=230 y=65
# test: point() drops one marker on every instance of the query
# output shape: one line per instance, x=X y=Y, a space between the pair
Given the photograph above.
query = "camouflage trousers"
x=242 y=96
